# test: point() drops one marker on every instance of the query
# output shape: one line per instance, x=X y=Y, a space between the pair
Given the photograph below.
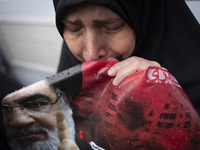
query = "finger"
x=128 y=67
x=115 y=68
x=63 y=131
x=164 y=68
x=154 y=63
x=67 y=143
x=122 y=74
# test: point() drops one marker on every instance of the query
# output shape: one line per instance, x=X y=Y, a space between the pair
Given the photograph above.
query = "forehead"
x=40 y=87
x=90 y=11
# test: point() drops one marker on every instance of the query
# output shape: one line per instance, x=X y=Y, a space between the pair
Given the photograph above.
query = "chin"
x=47 y=141
x=51 y=143
x=25 y=145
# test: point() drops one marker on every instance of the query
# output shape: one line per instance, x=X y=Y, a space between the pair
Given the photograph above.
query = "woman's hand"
x=129 y=66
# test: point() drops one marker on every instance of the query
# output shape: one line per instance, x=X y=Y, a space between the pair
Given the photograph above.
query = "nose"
x=19 y=118
x=95 y=46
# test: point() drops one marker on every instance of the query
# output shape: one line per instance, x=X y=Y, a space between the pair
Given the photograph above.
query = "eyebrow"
x=79 y=22
x=28 y=98
x=106 y=21
x=35 y=96
x=98 y=22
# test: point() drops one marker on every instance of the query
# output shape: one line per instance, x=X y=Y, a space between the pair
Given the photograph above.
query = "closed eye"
x=114 y=26
x=73 y=27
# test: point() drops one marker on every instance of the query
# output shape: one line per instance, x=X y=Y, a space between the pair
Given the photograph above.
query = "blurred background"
x=29 y=40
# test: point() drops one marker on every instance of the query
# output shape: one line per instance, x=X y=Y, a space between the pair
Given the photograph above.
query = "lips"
x=28 y=136
x=24 y=140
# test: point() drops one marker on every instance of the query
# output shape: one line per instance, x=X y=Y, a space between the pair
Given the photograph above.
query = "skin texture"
x=94 y=32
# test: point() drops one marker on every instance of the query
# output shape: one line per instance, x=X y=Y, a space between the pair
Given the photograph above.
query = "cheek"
x=130 y=46
x=124 y=44
x=47 y=120
x=75 y=46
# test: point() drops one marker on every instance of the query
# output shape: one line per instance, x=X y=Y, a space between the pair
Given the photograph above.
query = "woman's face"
x=94 y=32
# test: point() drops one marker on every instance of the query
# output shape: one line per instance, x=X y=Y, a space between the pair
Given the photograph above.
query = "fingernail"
x=115 y=82
x=111 y=71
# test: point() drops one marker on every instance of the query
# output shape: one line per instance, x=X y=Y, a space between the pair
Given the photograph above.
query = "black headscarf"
x=166 y=31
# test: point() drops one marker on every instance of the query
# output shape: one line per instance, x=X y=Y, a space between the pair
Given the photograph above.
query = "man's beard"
x=51 y=143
